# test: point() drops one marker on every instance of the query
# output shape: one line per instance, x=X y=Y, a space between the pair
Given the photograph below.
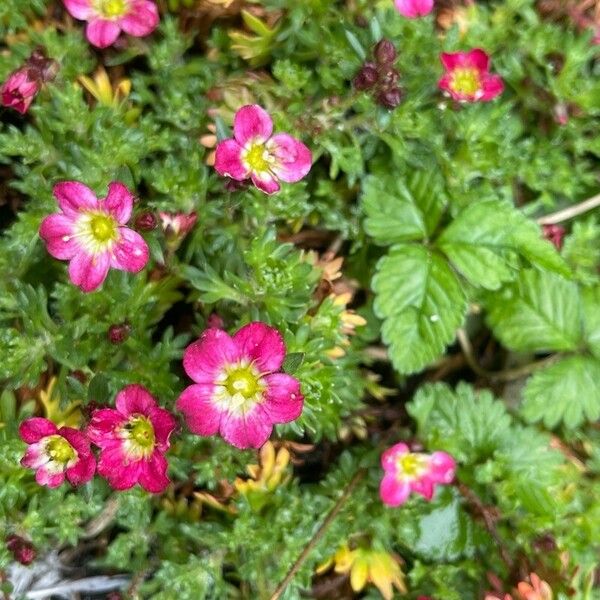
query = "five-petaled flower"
x=413 y=9
x=467 y=77
x=239 y=392
x=55 y=453
x=90 y=233
x=133 y=438
x=406 y=472
x=19 y=90
x=255 y=153
x=106 y=18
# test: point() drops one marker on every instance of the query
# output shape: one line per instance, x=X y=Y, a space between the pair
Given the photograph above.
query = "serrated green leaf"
x=567 y=392
x=292 y=362
x=98 y=389
x=538 y=312
x=403 y=210
x=421 y=302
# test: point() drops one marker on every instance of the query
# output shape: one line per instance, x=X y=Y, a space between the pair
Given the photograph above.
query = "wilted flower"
x=177 y=225
x=56 y=454
x=239 y=392
x=101 y=88
x=413 y=9
x=19 y=90
x=536 y=590
x=406 y=472
x=267 y=476
x=467 y=77
x=57 y=411
x=90 y=233
x=133 y=438
x=106 y=18
x=255 y=153
x=22 y=550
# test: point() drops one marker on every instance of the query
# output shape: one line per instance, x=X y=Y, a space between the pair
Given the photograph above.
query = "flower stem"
x=572 y=211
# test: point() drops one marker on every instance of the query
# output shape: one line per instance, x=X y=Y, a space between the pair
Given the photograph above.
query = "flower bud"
x=554 y=234
x=117 y=334
x=146 y=221
x=389 y=77
x=390 y=98
x=215 y=321
x=41 y=67
x=367 y=77
x=22 y=550
x=384 y=52
x=19 y=90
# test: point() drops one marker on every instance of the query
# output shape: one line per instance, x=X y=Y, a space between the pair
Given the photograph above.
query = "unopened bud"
x=367 y=77
x=146 y=221
x=22 y=550
x=117 y=334
x=554 y=234
x=390 y=98
x=384 y=52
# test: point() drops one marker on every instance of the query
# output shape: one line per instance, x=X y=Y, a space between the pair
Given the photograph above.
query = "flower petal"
x=390 y=456
x=164 y=424
x=131 y=252
x=252 y=123
x=73 y=197
x=34 y=429
x=82 y=471
x=135 y=399
x=413 y=9
x=119 y=202
x=115 y=468
x=102 y=33
x=294 y=159
x=88 y=271
x=153 y=473
x=228 y=160
x=264 y=181
x=201 y=414
x=101 y=429
x=478 y=58
x=423 y=486
x=35 y=456
x=49 y=478
x=442 y=467
x=250 y=430
x=80 y=9
x=283 y=398
x=56 y=231
x=206 y=357
x=492 y=86
x=141 y=20
x=261 y=344
x=393 y=492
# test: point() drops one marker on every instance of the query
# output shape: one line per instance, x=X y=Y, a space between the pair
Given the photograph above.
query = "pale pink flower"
x=19 y=90
x=406 y=472
x=133 y=438
x=467 y=77
x=177 y=225
x=56 y=454
x=239 y=391
x=107 y=18
x=90 y=232
x=413 y=9
x=255 y=153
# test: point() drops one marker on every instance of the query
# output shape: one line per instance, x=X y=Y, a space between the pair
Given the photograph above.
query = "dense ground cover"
x=300 y=299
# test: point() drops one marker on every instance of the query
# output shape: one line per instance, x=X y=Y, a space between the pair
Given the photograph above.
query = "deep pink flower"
x=413 y=9
x=19 y=90
x=133 y=439
x=23 y=550
x=255 y=153
x=90 y=233
x=177 y=225
x=467 y=77
x=56 y=453
x=106 y=18
x=239 y=392
x=406 y=472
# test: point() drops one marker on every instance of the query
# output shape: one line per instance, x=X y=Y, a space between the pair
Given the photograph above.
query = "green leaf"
x=421 y=302
x=292 y=362
x=590 y=298
x=567 y=392
x=468 y=425
x=98 y=389
x=403 y=210
x=484 y=240
x=539 y=312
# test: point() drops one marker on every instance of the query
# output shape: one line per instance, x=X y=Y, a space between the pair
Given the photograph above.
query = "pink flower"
x=56 y=453
x=554 y=234
x=255 y=153
x=239 y=392
x=177 y=225
x=90 y=233
x=133 y=438
x=406 y=472
x=106 y=18
x=467 y=77
x=19 y=90
x=413 y=9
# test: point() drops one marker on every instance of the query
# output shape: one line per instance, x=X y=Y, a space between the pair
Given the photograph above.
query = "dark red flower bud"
x=390 y=98
x=41 y=67
x=554 y=234
x=146 y=221
x=384 y=52
x=117 y=334
x=22 y=550
x=215 y=321
x=367 y=77
x=388 y=77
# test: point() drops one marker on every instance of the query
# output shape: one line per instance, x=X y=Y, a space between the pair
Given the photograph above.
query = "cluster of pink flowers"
x=132 y=438
x=406 y=472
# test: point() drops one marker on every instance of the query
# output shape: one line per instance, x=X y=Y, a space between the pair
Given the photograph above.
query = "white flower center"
x=239 y=387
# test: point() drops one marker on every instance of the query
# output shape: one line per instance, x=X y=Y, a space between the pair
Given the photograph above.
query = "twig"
x=104 y=519
x=500 y=376
x=318 y=535
x=572 y=211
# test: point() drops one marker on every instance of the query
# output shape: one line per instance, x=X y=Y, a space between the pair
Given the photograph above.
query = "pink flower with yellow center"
x=239 y=392
x=255 y=153
x=19 y=90
x=107 y=18
x=133 y=438
x=467 y=77
x=406 y=472
x=413 y=9
x=90 y=233
x=56 y=454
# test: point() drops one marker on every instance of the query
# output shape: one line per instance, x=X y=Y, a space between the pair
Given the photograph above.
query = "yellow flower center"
x=59 y=450
x=141 y=433
x=256 y=157
x=466 y=81
x=103 y=228
x=244 y=381
x=410 y=465
x=112 y=9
